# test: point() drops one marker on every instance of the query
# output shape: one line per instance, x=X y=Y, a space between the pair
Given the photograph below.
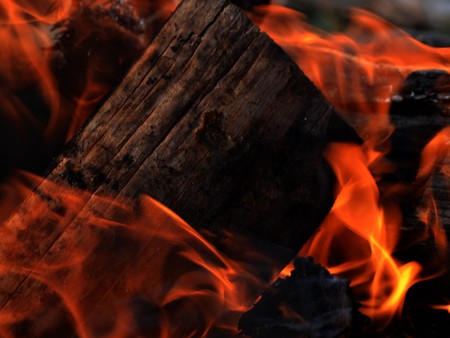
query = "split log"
x=214 y=121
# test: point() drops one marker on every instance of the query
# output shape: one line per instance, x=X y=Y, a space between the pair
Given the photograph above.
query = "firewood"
x=419 y=111
x=214 y=121
x=309 y=303
x=219 y=125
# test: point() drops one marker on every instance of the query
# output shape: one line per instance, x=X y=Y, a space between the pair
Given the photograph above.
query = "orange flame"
x=359 y=236
x=442 y=307
x=359 y=72
x=164 y=272
x=59 y=59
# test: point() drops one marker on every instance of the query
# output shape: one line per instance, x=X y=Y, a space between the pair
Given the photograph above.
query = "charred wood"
x=419 y=111
x=309 y=303
x=220 y=114
x=214 y=121
x=92 y=48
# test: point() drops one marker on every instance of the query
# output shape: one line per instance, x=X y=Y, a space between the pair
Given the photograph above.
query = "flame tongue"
x=58 y=61
x=365 y=73
x=360 y=236
x=164 y=280
x=359 y=72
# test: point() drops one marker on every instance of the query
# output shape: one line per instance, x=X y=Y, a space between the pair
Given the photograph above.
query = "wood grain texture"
x=214 y=121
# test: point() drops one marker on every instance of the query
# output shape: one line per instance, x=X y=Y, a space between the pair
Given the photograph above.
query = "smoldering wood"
x=418 y=111
x=214 y=121
x=309 y=303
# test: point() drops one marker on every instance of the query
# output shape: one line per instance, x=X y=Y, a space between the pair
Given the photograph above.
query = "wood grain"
x=214 y=121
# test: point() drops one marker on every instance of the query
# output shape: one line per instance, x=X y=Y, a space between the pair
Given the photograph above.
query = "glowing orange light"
x=359 y=71
x=202 y=282
x=442 y=307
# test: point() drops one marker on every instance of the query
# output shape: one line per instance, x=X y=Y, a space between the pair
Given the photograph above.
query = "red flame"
x=359 y=237
x=162 y=268
x=360 y=71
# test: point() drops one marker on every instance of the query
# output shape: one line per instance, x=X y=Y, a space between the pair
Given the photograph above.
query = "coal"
x=418 y=112
x=310 y=302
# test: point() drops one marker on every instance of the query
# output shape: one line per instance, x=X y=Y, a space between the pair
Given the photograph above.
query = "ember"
x=217 y=123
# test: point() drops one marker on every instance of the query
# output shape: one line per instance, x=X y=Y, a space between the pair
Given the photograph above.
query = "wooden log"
x=214 y=121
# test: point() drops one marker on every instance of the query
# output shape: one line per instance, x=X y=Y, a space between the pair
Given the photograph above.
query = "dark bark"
x=214 y=121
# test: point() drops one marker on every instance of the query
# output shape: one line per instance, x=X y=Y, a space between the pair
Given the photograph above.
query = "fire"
x=359 y=69
x=166 y=281
x=360 y=72
x=191 y=289
x=59 y=59
x=442 y=307
x=359 y=237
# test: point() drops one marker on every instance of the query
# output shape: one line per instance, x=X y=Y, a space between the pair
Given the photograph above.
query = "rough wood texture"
x=214 y=121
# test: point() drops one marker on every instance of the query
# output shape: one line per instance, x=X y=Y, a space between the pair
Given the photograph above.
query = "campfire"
x=209 y=169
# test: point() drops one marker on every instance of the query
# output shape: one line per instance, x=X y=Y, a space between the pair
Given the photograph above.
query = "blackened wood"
x=214 y=121
x=419 y=111
x=309 y=303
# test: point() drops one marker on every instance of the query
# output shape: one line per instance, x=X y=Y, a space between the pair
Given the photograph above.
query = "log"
x=215 y=122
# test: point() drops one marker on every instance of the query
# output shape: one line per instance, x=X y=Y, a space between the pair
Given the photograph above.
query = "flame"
x=360 y=71
x=26 y=47
x=192 y=289
x=359 y=236
x=442 y=307
x=166 y=281
x=59 y=59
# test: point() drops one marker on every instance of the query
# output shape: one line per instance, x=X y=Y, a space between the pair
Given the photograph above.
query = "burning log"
x=415 y=174
x=419 y=113
x=214 y=121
